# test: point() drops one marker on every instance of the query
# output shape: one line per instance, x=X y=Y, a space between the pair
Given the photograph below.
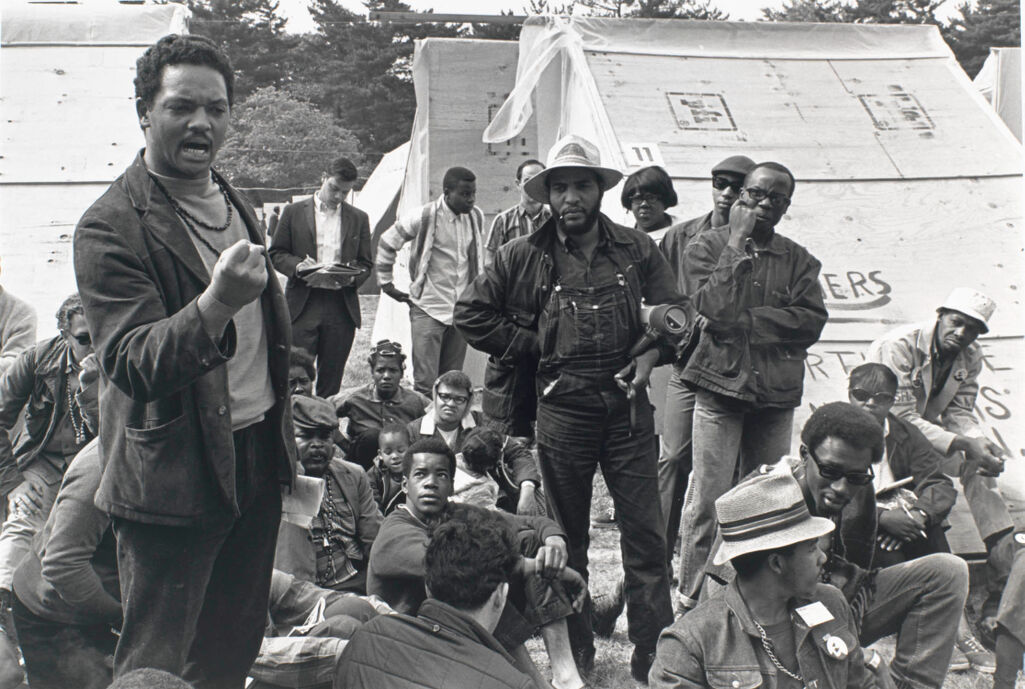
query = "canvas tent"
x=908 y=182
x=69 y=128
x=999 y=81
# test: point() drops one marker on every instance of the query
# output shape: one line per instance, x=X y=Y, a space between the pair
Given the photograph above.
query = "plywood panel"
x=803 y=111
x=68 y=113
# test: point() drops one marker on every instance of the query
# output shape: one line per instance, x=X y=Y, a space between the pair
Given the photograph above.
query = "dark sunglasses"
x=719 y=183
x=833 y=473
x=758 y=195
x=863 y=395
x=644 y=197
x=83 y=340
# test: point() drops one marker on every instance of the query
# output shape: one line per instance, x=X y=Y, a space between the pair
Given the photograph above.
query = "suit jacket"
x=296 y=238
x=165 y=430
x=941 y=417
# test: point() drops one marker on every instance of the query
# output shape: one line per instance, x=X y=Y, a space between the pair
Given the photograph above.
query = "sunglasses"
x=719 y=183
x=83 y=340
x=644 y=197
x=457 y=399
x=758 y=195
x=832 y=473
x=862 y=395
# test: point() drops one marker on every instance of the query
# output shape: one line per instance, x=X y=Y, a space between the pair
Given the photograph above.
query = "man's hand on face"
x=742 y=223
x=395 y=293
x=240 y=274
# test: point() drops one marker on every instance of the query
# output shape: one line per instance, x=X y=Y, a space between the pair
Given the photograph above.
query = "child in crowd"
x=482 y=450
x=386 y=474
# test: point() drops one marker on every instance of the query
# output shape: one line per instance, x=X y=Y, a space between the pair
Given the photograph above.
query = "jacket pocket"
x=171 y=472
x=733 y=678
x=784 y=371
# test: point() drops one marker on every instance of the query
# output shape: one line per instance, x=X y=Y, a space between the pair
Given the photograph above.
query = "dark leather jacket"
x=498 y=314
x=765 y=308
x=34 y=382
x=165 y=429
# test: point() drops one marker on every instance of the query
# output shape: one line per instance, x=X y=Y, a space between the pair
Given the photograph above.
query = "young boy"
x=482 y=451
x=386 y=474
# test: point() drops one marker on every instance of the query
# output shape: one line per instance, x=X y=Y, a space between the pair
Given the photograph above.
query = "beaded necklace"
x=188 y=218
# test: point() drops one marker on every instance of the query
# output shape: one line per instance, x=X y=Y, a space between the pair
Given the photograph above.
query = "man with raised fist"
x=193 y=337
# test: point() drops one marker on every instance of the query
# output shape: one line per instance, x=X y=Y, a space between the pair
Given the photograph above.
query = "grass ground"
x=612 y=659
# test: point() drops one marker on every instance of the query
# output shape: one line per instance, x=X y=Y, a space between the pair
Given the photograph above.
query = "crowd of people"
x=193 y=500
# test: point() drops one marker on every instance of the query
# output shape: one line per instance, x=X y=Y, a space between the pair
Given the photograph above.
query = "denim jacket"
x=717 y=645
x=764 y=307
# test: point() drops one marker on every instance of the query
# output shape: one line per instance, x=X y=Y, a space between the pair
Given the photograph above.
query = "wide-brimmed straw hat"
x=571 y=151
x=765 y=513
x=971 y=303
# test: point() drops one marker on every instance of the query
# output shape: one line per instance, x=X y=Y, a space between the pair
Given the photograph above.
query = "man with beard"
x=195 y=420
x=920 y=600
x=569 y=296
x=776 y=623
x=397 y=563
x=759 y=307
x=384 y=399
x=348 y=521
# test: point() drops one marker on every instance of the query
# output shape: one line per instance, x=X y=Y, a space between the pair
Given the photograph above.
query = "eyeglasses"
x=863 y=395
x=720 y=183
x=758 y=195
x=644 y=197
x=832 y=473
x=83 y=339
x=457 y=399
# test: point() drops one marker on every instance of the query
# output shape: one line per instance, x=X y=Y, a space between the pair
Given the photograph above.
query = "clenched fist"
x=240 y=274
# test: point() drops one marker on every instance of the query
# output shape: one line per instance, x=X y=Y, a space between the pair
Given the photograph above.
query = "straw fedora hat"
x=571 y=151
x=764 y=513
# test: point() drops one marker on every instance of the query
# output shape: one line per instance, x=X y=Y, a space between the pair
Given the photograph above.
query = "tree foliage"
x=976 y=29
x=277 y=139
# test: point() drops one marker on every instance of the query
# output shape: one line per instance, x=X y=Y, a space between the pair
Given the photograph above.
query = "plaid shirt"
x=511 y=224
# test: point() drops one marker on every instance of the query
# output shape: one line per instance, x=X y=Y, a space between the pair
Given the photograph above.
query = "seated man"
x=467 y=565
x=451 y=419
x=397 y=575
x=307 y=628
x=776 y=625
x=348 y=521
x=920 y=600
x=384 y=400
x=918 y=529
x=67 y=597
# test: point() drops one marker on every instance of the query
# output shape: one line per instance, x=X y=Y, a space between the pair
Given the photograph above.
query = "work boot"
x=958 y=661
x=976 y=654
x=640 y=665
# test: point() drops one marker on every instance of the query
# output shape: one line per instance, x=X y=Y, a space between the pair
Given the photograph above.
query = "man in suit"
x=195 y=422
x=325 y=310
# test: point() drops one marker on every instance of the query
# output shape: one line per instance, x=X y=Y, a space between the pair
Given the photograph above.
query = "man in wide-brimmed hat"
x=568 y=297
x=775 y=625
